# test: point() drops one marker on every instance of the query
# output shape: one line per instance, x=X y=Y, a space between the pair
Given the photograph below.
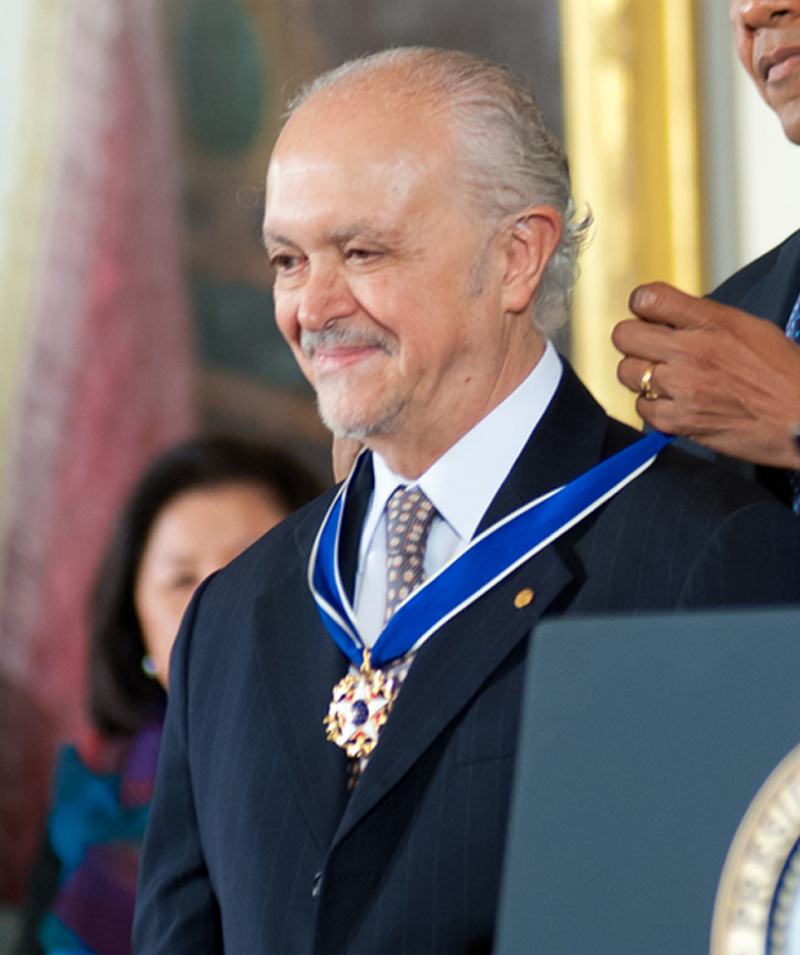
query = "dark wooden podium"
x=644 y=740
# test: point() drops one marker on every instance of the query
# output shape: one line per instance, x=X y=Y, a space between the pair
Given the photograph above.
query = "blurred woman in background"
x=194 y=510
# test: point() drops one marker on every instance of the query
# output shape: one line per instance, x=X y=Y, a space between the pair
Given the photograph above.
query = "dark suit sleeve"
x=753 y=557
x=176 y=909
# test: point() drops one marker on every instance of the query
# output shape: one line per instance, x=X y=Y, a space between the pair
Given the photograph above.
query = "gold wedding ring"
x=646 y=384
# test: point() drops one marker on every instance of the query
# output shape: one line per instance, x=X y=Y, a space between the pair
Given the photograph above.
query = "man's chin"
x=792 y=131
x=339 y=428
x=357 y=424
x=789 y=115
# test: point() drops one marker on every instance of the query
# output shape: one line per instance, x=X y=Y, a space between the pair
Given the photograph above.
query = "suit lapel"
x=300 y=664
x=452 y=666
x=787 y=277
x=773 y=294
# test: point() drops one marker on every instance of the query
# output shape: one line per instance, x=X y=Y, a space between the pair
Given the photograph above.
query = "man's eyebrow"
x=359 y=230
x=365 y=230
x=274 y=238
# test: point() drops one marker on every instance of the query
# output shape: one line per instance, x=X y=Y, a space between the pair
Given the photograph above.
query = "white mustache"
x=344 y=336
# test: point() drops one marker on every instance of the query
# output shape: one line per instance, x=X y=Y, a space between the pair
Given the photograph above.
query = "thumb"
x=664 y=304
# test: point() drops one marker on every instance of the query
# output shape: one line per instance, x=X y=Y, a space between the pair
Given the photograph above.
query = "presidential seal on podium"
x=757 y=908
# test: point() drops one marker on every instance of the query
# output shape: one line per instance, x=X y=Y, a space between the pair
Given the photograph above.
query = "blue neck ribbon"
x=489 y=558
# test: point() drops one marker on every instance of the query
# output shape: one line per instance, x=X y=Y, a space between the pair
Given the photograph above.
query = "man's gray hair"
x=509 y=158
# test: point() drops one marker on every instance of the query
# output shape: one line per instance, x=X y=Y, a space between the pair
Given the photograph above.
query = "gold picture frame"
x=632 y=134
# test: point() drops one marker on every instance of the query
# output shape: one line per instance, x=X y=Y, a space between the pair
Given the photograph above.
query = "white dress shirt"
x=461 y=485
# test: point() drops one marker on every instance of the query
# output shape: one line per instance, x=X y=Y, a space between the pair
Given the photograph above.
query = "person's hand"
x=343 y=454
x=724 y=378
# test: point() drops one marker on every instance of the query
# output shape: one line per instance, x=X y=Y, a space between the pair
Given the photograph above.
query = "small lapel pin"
x=523 y=598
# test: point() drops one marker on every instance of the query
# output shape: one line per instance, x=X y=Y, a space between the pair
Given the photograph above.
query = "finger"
x=666 y=305
x=632 y=372
x=643 y=339
x=659 y=414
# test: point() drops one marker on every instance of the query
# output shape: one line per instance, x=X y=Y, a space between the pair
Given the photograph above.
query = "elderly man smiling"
x=344 y=698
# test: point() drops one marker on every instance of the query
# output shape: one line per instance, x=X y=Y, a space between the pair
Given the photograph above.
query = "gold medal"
x=361 y=705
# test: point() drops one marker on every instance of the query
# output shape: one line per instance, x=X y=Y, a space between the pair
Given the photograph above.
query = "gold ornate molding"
x=631 y=129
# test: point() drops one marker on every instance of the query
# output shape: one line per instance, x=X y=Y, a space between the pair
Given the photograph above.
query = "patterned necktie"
x=409 y=515
x=793 y=332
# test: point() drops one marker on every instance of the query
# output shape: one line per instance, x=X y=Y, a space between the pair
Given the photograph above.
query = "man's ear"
x=530 y=242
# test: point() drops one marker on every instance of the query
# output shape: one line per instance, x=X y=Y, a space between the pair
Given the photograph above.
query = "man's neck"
x=462 y=483
x=414 y=453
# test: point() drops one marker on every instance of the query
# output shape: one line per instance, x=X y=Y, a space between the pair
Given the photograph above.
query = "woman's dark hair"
x=121 y=695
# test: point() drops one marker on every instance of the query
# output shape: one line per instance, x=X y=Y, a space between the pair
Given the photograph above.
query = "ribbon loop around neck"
x=489 y=558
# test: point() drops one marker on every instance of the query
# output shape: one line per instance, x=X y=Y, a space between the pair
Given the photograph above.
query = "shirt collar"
x=463 y=482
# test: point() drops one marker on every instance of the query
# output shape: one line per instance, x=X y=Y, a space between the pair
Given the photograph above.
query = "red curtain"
x=107 y=384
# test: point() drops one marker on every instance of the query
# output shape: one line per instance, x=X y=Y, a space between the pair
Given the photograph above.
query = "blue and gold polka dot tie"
x=409 y=515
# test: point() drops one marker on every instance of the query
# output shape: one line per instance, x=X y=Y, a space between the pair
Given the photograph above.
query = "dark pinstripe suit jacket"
x=254 y=845
x=767 y=288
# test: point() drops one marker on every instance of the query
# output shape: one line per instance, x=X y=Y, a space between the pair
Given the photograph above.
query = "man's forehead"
x=347 y=163
x=329 y=163
x=323 y=159
x=357 y=167
x=368 y=114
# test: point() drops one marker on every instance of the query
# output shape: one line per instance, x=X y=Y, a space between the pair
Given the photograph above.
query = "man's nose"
x=324 y=297
x=754 y=14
